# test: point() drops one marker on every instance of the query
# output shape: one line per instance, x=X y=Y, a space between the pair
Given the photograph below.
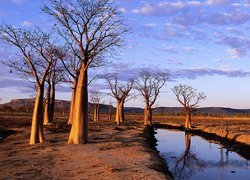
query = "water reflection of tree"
x=187 y=164
x=223 y=160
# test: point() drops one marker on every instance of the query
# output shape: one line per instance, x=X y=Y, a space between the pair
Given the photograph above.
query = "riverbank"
x=113 y=152
x=235 y=129
x=217 y=134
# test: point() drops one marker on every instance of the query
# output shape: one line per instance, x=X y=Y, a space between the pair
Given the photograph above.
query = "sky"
x=204 y=44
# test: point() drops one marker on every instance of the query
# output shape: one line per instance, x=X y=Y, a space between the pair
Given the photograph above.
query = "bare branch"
x=188 y=97
x=149 y=84
x=120 y=91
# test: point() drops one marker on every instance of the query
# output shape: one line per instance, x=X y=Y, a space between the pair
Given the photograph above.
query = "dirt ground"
x=112 y=153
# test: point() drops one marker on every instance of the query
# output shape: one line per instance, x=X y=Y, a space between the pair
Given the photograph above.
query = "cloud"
x=193 y=13
x=174 y=62
x=123 y=10
x=235 y=18
x=19 y=84
x=216 y=2
x=189 y=49
x=9 y=82
x=165 y=8
x=170 y=49
x=236 y=53
x=149 y=25
x=194 y=3
x=200 y=72
x=124 y=71
x=239 y=45
x=26 y=23
x=172 y=31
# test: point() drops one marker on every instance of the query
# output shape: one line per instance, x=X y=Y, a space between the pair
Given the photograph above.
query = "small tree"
x=110 y=110
x=149 y=84
x=189 y=98
x=120 y=92
x=95 y=98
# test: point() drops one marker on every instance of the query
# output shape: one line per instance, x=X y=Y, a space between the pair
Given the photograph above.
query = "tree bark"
x=47 y=107
x=36 y=135
x=188 y=120
x=119 y=117
x=148 y=116
x=79 y=128
x=96 y=114
x=72 y=104
x=52 y=102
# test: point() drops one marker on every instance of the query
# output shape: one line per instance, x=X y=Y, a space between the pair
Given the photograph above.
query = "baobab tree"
x=110 y=110
x=149 y=84
x=38 y=52
x=95 y=98
x=120 y=91
x=189 y=99
x=55 y=75
x=93 y=28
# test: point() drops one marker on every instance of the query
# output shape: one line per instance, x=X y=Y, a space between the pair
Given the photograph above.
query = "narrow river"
x=192 y=157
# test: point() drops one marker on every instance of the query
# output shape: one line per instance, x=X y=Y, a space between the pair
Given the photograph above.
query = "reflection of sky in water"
x=204 y=160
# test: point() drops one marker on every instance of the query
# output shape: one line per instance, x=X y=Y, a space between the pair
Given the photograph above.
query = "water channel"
x=192 y=157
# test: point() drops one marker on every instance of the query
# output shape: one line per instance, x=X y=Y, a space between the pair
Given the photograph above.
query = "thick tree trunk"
x=119 y=117
x=188 y=120
x=72 y=104
x=96 y=114
x=36 y=134
x=47 y=108
x=147 y=115
x=52 y=102
x=79 y=128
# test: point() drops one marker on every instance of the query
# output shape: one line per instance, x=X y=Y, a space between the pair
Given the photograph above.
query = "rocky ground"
x=112 y=152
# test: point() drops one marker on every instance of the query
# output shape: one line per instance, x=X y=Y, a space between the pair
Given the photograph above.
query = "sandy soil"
x=112 y=153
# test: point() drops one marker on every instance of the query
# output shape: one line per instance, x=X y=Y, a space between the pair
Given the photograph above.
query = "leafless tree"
x=38 y=53
x=149 y=84
x=55 y=75
x=95 y=98
x=189 y=99
x=92 y=28
x=110 y=110
x=120 y=91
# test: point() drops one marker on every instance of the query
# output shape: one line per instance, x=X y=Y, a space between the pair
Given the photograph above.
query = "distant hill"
x=202 y=111
x=26 y=105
